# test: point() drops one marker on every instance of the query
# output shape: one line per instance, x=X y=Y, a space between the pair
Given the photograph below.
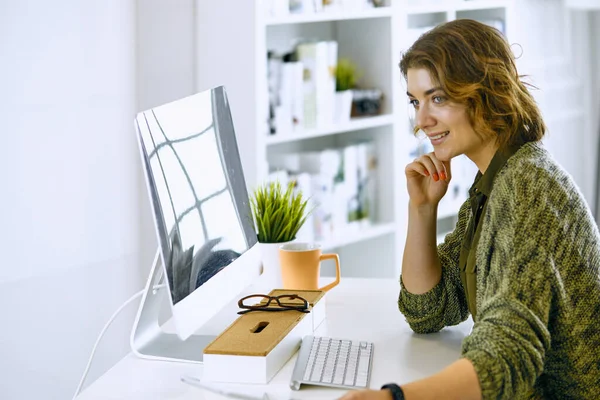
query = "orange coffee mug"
x=301 y=266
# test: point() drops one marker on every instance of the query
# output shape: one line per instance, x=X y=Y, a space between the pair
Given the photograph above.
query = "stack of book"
x=302 y=87
x=340 y=184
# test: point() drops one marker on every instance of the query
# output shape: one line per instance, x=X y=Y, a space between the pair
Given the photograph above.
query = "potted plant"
x=346 y=76
x=278 y=215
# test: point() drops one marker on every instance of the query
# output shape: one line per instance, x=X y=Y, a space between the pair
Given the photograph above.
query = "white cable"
x=103 y=331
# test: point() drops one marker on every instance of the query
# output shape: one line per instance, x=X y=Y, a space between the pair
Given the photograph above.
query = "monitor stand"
x=148 y=338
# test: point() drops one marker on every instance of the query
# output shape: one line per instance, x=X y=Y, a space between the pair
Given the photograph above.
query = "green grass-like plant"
x=346 y=75
x=278 y=214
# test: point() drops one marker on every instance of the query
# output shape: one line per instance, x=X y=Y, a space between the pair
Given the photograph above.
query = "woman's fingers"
x=417 y=167
x=440 y=169
x=447 y=169
x=429 y=165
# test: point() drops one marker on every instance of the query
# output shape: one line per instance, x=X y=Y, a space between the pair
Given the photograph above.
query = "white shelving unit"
x=232 y=41
x=354 y=124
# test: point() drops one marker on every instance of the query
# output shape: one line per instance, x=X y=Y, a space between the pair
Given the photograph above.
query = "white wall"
x=165 y=64
x=587 y=24
x=585 y=57
x=70 y=177
x=552 y=62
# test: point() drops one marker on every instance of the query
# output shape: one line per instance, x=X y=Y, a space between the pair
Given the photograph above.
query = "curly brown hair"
x=474 y=65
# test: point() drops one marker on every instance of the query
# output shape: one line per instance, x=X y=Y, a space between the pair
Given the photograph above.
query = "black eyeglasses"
x=262 y=302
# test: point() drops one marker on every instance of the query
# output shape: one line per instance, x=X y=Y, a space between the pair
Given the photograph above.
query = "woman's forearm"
x=421 y=269
x=457 y=381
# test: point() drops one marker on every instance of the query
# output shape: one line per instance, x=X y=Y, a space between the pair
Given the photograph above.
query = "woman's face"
x=445 y=122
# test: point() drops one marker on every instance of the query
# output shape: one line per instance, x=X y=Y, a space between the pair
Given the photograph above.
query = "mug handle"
x=337 y=270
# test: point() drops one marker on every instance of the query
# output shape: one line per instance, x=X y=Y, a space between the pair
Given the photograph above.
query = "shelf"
x=354 y=125
x=442 y=7
x=372 y=37
x=362 y=235
x=380 y=12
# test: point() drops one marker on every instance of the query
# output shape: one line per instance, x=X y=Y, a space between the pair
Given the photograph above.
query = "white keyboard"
x=332 y=362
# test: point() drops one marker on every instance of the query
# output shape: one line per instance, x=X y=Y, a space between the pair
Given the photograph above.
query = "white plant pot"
x=271 y=273
x=343 y=106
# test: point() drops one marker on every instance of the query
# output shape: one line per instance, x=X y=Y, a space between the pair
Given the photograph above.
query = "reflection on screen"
x=183 y=152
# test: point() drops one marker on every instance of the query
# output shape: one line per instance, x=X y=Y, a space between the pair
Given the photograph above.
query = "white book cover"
x=304 y=186
x=350 y=187
x=322 y=199
x=332 y=58
x=367 y=184
x=297 y=96
x=284 y=111
x=285 y=161
x=306 y=54
x=325 y=162
x=273 y=83
x=314 y=58
x=324 y=97
x=326 y=169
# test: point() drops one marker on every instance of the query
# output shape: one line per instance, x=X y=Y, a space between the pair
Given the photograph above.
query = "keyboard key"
x=361 y=381
x=363 y=364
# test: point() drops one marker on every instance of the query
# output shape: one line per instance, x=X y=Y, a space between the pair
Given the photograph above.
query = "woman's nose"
x=423 y=117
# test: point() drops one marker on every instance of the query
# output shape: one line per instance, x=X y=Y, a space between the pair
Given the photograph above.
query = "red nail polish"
x=436 y=177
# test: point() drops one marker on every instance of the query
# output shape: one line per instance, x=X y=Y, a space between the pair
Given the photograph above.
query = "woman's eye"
x=414 y=102
x=438 y=99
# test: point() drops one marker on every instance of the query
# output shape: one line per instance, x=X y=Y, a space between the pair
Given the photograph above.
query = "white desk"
x=360 y=309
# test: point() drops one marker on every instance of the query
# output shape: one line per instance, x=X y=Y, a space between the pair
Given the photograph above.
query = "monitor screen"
x=197 y=188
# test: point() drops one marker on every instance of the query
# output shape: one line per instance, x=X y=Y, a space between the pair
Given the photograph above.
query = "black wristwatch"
x=396 y=390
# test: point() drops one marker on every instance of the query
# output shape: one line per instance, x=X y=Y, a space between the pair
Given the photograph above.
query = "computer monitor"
x=207 y=242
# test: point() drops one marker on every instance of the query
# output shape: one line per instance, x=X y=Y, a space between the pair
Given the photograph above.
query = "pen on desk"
x=234 y=395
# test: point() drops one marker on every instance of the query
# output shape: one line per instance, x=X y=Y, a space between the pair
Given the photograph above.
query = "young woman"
x=524 y=258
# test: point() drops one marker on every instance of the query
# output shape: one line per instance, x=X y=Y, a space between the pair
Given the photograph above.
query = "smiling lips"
x=438 y=137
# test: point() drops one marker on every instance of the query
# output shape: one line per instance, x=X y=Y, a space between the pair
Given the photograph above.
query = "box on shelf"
x=255 y=347
x=366 y=102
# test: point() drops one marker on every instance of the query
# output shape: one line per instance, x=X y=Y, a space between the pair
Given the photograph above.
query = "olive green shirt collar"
x=484 y=182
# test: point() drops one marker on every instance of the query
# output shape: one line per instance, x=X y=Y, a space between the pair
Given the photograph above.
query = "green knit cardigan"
x=537 y=333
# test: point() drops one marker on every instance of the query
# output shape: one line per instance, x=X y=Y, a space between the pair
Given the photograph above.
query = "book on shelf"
x=315 y=58
x=340 y=183
x=301 y=87
x=289 y=112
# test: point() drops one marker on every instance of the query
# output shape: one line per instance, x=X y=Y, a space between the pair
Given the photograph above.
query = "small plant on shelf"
x=346 y=75
x=278 y=214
